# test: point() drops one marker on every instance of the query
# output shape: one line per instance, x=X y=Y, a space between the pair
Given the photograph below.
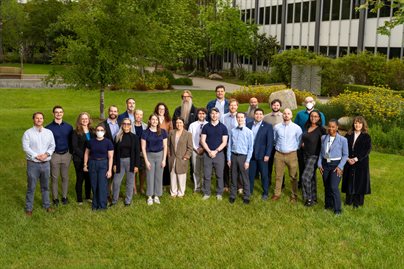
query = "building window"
x=355 y=14
x=273 y=14
x=353 y=50
x=332 y=51
x=305 y=17
x=394 y=53
x=382 y=50
x=343 y=51
x=326 y=10
x=385 y=10
x=261 y=16
x=346 y=9
x=267 y=15
x=335 y=10
x=280 y=14
x=290 y=13
x=323 y=50
x=297 y=11
x=313 y=11
x=243 y=13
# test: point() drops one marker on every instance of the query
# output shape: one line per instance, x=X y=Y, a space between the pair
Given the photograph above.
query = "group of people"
x=238 y=146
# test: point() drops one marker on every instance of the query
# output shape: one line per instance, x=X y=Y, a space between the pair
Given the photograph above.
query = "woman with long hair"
x=333 y=156
x=356 y=180
x=180 y=151
x=81 y=135
x=161 y=110
x=99 y=156
x=154 y=149
x=311 y=145
x=126 y=160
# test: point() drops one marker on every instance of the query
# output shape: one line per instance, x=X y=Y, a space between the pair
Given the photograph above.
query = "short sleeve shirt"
x=214 y=134
x=99 y=148
x=154 y=142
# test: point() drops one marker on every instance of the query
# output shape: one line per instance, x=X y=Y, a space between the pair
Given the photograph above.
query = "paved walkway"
x=206 y=84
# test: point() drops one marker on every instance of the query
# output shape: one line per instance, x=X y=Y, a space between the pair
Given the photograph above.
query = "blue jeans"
x=331 y=182
x=99 y=182
x=263 y=169
x=37 y=171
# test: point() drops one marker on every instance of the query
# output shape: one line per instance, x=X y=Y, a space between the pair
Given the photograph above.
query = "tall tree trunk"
x=1 y=38
x=102 y=96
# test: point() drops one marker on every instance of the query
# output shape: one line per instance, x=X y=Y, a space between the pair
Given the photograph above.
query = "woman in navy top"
x=311 y=145
x=154 y=148
x=82 y=133
x=99 y=156
x=333 y=156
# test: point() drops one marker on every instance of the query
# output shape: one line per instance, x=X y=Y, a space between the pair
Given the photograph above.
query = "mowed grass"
x=41 y=69
x=189 y=232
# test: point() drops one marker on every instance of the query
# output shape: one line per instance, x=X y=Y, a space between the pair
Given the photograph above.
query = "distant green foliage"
x=389 y=141
x=257 y=78
x=183 y=81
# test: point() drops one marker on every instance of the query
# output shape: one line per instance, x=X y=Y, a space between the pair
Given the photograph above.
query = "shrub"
x=356 y=88
x=182 y=81
x=395 y=74
x=151 y=82
x=257 y=78
x=332 y=111
x=301 y=95
x=240 y=73
x=390 y=141
x=381 y=105
x=165 y=73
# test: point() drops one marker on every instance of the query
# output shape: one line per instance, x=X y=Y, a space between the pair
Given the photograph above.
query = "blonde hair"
x=119 y=135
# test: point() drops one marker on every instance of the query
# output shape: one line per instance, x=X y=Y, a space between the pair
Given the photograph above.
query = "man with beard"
x=187 y=110
x=111 y=124
x=301 y=118
x=273 y=118
x=251 y=108
x=221 y=103
x=129 y=113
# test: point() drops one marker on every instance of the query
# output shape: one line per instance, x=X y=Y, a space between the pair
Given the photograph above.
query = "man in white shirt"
x=197 y=154
x=38 y=144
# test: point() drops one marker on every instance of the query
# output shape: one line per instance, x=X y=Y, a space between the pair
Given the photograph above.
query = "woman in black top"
x=356 y=180
x=311 y=145
x=126 y=160
x=82 y=133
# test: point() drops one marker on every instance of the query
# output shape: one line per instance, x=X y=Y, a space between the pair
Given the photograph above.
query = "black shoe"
x=246 y=201
x=231 y=200
x=309 y=203
x=56 y=202
x=127 y=204
x=65 y=201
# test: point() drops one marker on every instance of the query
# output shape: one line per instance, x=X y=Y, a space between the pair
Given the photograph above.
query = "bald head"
x=287 y=115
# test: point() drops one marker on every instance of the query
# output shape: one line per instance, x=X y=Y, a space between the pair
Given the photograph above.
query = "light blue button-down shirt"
x=241 y=142
x=229 y=120
x=114 y=127
x=255 y=128
x=287 y=137
x=37 y=141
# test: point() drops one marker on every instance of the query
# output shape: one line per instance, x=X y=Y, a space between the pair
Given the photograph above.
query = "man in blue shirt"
x=301 y=118
x=220 y=102
x=239 y=152
x=213 y=139
x=60 y=161
x=287 y=136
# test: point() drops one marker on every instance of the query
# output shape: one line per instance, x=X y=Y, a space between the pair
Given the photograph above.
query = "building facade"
x=329 y=27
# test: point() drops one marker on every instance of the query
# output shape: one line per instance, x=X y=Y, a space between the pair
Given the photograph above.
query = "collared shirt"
x=195 y=129
x=220 y=106
x=214 y=134
x=287 y=137
x=229 y=120
x=255 y=128
x=63 y=135
x=273 y=118
x=240 y=142
x=114 y=127
x=37 y=141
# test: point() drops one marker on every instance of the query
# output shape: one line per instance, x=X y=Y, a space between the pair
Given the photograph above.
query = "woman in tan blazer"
x=179 y=153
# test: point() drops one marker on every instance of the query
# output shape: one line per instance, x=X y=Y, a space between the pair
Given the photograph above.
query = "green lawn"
x=187 y=233
x=41 y=69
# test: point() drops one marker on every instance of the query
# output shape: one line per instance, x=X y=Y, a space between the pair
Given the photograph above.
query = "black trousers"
x=355 y=199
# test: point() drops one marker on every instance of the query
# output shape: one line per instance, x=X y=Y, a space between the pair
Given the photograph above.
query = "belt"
x=238 y=154
x=333 y=159
x=99 y=159
x=62 y=152
x=286 y=152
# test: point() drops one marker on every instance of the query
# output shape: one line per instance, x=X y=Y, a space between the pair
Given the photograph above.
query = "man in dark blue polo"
x=213 y=139
x=263 y=144
x=60 y=161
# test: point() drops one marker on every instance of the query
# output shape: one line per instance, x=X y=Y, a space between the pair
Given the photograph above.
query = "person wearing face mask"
x=356 y=180
x=126 y=160
x=333 y=156
x=301 y=118
x=98 y=160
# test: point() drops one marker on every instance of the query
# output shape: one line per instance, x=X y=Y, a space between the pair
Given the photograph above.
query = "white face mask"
x=309 y=106
x=100 y=134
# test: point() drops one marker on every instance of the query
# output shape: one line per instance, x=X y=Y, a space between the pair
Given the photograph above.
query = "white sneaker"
x=240 y=191
x=219 y=197
x=156 y=200
x=205 y=197
x=150 y=201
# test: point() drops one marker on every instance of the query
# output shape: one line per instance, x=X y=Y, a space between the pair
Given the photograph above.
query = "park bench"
x=8 y=72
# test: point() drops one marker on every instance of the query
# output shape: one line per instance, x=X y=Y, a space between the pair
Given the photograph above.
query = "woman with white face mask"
x=99 y=157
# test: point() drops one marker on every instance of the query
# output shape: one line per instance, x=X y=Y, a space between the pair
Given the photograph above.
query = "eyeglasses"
x=125 y=123
x=185 y=96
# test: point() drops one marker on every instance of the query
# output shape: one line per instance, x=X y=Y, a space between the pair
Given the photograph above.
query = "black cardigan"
x=79 y=145
x=134 y=153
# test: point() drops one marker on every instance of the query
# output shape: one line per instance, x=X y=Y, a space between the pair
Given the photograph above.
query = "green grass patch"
x=37 y=69
x=189 y=232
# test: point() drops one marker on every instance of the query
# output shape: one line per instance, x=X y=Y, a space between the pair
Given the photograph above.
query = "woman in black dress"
x=311 y=145
x=356 y=180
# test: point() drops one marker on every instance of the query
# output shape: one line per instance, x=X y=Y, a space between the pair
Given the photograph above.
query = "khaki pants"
x=289 y=160
x=60 y=166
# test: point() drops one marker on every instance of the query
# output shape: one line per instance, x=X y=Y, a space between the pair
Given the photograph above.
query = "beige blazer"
x=184 y=150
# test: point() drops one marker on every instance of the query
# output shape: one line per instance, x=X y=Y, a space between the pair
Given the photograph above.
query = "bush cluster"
x=182 y=81
x=388 y=141
x=151 y=81
x=262 y=93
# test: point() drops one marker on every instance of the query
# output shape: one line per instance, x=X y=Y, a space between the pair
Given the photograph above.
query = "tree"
x=398 y=16
x=110 y=38
x=265 y=48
